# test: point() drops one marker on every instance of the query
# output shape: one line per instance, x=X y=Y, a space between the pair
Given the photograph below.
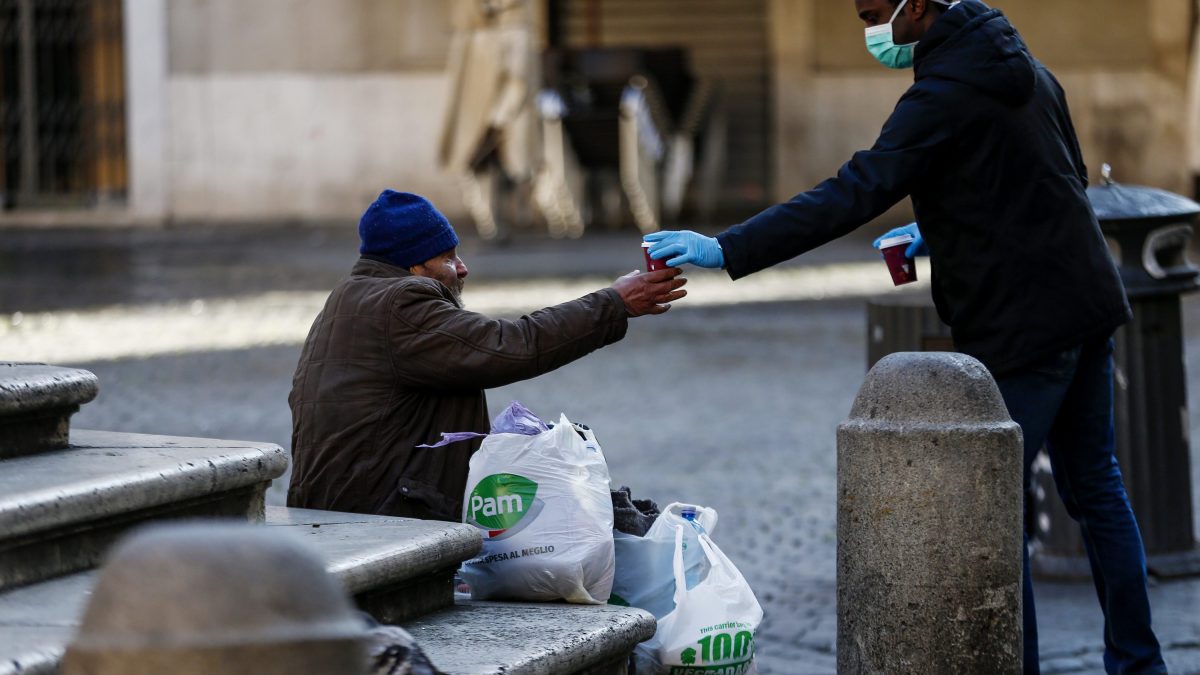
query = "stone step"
x=36 y=404
x=470 y=638
x=396 y=568
x=60 y=510
x=37 y=622
x=510 y=638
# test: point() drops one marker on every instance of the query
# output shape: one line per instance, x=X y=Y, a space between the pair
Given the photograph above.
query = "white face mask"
x=883 y=47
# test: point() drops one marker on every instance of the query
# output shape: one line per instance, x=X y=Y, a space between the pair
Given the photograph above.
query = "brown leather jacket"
x=391 y=362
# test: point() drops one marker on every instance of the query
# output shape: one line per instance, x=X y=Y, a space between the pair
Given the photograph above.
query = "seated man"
x=393 y=360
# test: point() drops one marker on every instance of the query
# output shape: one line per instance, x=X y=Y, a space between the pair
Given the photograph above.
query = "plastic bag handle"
x=715 y=559
x=680 y=580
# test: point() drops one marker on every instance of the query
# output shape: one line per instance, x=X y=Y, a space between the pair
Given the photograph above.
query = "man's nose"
x=461 y=268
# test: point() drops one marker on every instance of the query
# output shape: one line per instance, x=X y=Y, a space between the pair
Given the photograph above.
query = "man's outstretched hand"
x=683 y=247
x=650 y=292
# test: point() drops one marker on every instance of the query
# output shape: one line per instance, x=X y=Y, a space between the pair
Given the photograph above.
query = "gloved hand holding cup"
x=685 y=247
x=900 y=246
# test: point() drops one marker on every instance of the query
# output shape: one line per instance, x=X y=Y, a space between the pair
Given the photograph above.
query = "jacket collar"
x=374 y=267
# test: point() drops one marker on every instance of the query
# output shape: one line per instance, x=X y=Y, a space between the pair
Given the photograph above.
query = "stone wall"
x=304 y=109
x=1124 y=66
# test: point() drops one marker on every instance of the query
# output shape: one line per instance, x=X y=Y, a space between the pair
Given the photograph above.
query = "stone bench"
x=60 y=510
x=36 y=404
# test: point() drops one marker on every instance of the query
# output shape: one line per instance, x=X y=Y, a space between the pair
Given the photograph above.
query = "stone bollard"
x=203 y=598
x=929 y=521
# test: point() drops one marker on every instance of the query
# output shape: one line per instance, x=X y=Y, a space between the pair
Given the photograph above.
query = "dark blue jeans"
x=1066 y=403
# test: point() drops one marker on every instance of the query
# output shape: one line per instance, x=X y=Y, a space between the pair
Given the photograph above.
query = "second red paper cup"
x=652 y=265
x=903 y=268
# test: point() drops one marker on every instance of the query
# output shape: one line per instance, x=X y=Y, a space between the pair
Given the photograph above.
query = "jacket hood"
x=976 y=45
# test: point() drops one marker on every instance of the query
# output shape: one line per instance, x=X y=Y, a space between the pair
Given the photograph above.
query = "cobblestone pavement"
x=734 y=407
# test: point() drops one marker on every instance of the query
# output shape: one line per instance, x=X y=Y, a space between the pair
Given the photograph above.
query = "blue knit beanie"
x=404 y=229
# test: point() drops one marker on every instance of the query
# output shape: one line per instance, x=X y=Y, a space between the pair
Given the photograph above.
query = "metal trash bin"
x=904 y=323
x=1151 y=229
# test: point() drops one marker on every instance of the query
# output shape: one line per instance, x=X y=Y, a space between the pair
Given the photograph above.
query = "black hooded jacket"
x=983 y=143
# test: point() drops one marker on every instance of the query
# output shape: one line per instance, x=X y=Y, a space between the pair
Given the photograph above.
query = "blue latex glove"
x=916 y=248
x=684 y=247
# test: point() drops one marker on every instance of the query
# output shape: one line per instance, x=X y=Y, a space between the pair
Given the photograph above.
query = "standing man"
x=393 y=360
x=984 y=145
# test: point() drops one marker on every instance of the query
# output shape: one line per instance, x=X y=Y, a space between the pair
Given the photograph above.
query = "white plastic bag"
x=644 y=576
x=543 y=504
x=711 y=629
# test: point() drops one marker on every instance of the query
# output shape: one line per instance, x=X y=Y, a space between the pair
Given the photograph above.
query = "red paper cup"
x=652 y=265
x=903 y=268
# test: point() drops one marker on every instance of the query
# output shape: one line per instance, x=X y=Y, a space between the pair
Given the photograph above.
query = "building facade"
x=302 y=110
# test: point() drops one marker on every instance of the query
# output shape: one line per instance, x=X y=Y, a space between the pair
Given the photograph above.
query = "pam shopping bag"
x=711 y=629
x=644 y=576
x=543 y=504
